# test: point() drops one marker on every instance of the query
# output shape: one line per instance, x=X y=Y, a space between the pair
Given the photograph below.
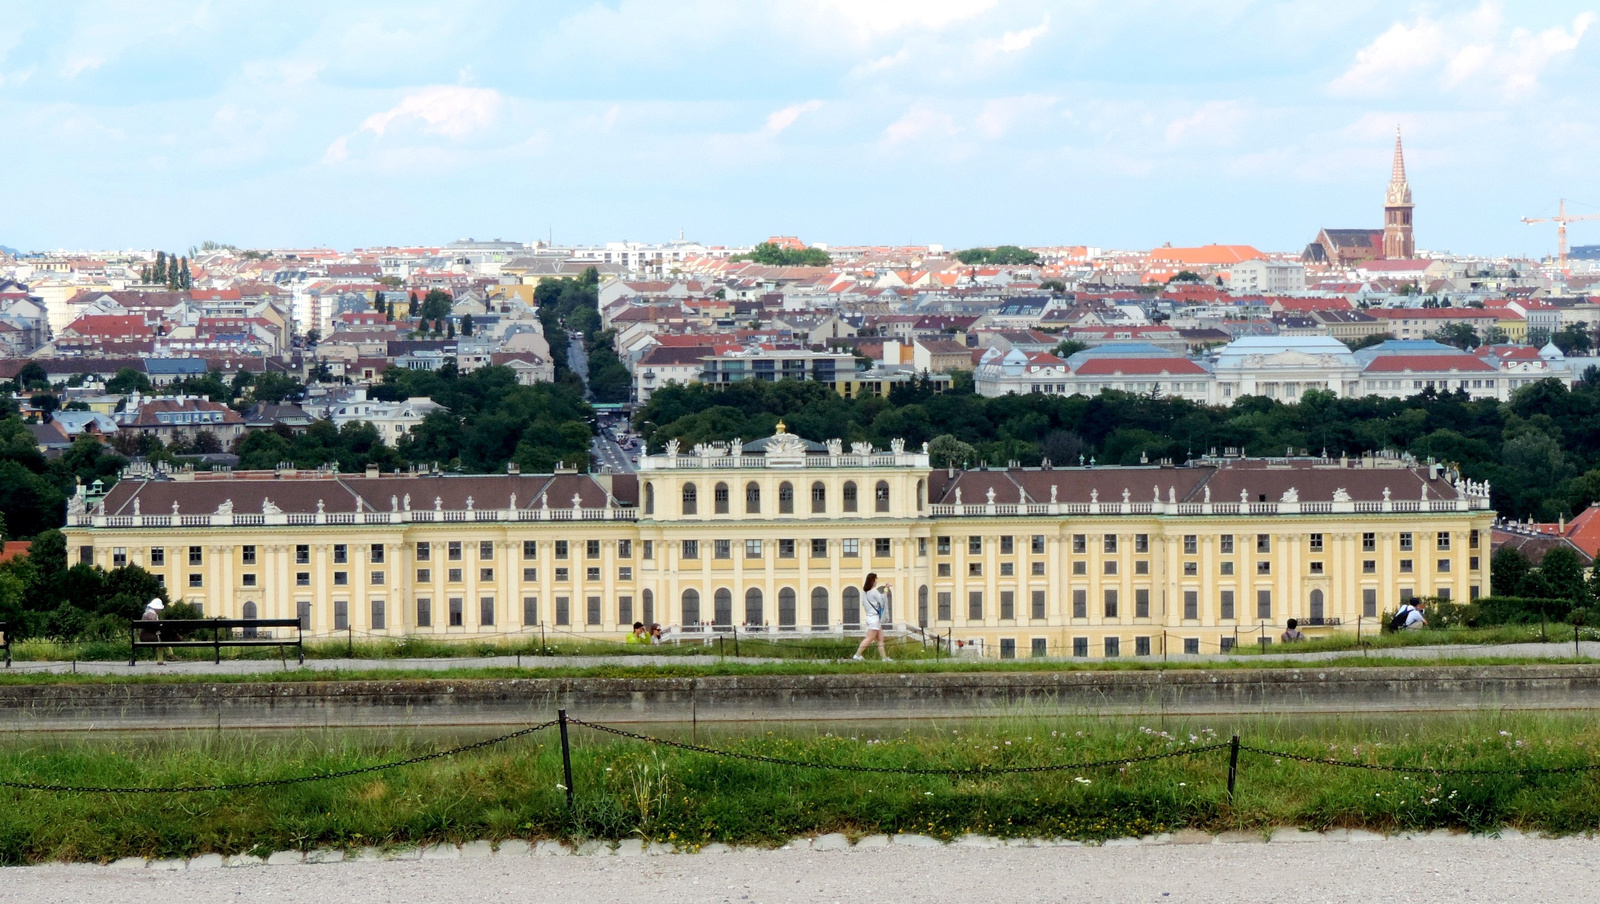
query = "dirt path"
x=1447 y=871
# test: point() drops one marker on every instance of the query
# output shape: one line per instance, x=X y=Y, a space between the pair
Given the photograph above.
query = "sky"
x=962 y=122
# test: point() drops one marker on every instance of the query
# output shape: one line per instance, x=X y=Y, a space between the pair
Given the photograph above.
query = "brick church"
x=1346 y=247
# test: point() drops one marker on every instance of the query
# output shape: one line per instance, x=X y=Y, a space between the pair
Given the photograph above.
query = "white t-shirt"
x=876 y=604
x=1415 y=618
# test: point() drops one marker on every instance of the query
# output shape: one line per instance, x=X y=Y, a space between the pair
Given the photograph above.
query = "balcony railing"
x=418 y=516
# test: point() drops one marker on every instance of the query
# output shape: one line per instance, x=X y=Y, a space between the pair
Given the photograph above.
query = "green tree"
x=1357 y=345
x=1000 y=256
x=1508 y=568
x=945 y=451
x=774 y=255
x=466 y=324
x=1563 y=574
x=379 y=306
x=275 y=387
x=1573 y=339
x=158 y=273
x=1066 y=348
x=1054 y=286
x=127 y=380
x=436 y=305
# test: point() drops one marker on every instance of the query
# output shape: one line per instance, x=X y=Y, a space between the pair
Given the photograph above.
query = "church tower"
x=1397 y=240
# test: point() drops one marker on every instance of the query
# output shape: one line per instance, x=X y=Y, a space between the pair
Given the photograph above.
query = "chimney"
x=372 y=471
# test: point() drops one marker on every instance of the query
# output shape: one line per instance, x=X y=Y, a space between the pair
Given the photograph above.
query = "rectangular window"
x=453 y=575
x=785 y=549
x=530 y=610
x=1038 y=544
x=944 y=605
x=341 y=615
x=1225 y=544
x=1444 y=565
x=591 y=574
x=376 y=615
x=1369 y=602
x=1191 y=646
x=1191 y=544
x=942 y=546
x=1316 y=543
x=850 y=549
x=563 y=575
x=1264 y=605
x=1141 y=603
x=944 y=569
x=1472 y=539
x=486 y=611
x=1008 y=546
x=1080 y=646
x=1316 y=568
x=881 y=548
x=424 y=575
x=1141 y=543
x=302 y=610
x=563 y=611
x=591 y=549
x=1369 y=542
x=722 y=549
x=1191 y=569
x=1039 y=648
x=1405 y=541
x=158 y=556
x=1008 y=648
x=424 y=612
x=341 y=578
x=1111 y=602
x=1443 y=593
x=1007 y=569
x=1038 y=604
x=302 y=579
x=341 y=554
x=1110 y=566
x=119 y=556
x=453 y=550
x=975 y=605
x=975 y=569
x=625 y=573
x=1263 y=543
x=1405 y=594
x=1443 y=542
x=195 y=556
x=752 y=549
x=197 y=580
x=1226 y=605
x=1369 y=566
x=1226 y=568
x=649 y=551
x=1037 y=569
x=375 y=554
x=974 y=546
x=1113 y=647
x=624 y=549
x=1472 y=563
x=1141 y=646
x=485 y=550
x=1080 y=543
x=1110 y=543
x=377 y=579
x=530 y=549
x=456 y=613
x=1226 y=644
x=530 y=574
x=922 y=547
x=1191 y=604
x=1405 y=566
x=561 y=549
x=486 y=574
x=819 y=549
x=424 y=550
x=247 y=556
x=1008 y=604
x=1263 y=567
x=1141 y=567
x=1080 y=567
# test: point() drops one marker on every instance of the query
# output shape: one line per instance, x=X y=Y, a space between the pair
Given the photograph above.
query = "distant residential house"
x=181 y=418
x=271 y=415
x=529 y=367
x=940 y=356
x=664 y=365
x=393 y=420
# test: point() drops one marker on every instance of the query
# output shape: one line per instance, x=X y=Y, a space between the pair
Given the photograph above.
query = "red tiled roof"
x=1105 y=366
x=1436 y=314
x=1427 y=363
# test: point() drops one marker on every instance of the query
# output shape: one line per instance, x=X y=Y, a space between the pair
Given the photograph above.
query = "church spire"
x=1397 y=238
x=1398 y=176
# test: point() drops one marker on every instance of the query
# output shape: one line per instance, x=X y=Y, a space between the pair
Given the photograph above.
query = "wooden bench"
x=221 y=634
x=5 y=643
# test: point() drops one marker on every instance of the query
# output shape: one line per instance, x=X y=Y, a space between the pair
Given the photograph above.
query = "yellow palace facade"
x=775 y=536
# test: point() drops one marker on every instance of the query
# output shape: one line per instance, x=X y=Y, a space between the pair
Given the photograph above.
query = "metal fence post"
x=1233 y=763
x=566 y=757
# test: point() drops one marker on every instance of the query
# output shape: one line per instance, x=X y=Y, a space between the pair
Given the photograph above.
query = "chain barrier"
x=279 y=782
x=843 y=767
x=1419 y=770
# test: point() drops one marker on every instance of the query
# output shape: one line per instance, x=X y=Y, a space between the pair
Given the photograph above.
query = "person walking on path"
x=876 y=600
x=152 y=613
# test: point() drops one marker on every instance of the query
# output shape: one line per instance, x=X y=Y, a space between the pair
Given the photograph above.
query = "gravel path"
x=1447 y=871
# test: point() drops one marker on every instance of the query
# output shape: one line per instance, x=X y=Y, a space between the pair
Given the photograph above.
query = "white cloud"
x=1013 y=41
x=1465 y=52
x=1000 y=114
x=919 y=122
x=871 y=18
x=1215 y=122
x=450 y=110
x=783 y=119
x=871 y=67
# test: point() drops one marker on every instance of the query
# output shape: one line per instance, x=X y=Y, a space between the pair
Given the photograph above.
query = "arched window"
x=819 y=498
x=648 y=616
x=880 y=497
x=691 y=499
x=691 y=610
x=1316 y=607
x=786 y=498
x=649 y=499
x=719 y=496
x=752 y=498
x=922 y=606
x=852 y=608
x=722 y=608
x=849 y=495
x=922 y=494
x=753 y=616
x=819 y=607
x=786 y=612
x=249 y=612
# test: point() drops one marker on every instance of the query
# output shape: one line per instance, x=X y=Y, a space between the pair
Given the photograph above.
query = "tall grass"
x=626 y=789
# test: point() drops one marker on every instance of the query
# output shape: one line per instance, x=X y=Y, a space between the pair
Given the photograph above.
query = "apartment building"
x=775 y=535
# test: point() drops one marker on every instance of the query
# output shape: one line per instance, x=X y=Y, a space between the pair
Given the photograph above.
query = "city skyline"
x=960 y=123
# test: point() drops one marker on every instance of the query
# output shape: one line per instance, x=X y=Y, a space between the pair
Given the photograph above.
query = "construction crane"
x=1561 y=219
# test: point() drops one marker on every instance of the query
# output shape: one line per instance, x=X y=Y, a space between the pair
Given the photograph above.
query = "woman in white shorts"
x=875 y=602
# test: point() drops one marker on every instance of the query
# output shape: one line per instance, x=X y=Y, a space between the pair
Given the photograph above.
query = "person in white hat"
x=152 y=612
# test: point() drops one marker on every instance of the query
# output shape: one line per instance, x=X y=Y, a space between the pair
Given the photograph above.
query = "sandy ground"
x=1448 y=871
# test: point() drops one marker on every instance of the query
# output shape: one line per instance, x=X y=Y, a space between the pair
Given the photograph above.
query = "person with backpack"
x=1411 y=617
x=875 y=603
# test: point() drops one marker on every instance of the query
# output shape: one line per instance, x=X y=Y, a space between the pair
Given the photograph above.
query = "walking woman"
x=875 y=601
